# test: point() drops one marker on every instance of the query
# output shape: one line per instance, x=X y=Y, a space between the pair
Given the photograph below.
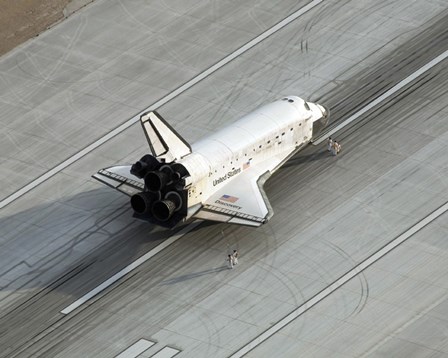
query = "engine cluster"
x=164 y=198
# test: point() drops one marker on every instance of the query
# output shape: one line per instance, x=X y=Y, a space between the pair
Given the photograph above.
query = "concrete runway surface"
x=319 y=280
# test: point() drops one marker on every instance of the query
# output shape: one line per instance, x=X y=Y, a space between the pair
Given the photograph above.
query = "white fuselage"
x=278 y=128
x=221 y=177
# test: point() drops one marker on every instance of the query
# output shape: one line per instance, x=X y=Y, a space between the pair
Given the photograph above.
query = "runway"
x=68 y=235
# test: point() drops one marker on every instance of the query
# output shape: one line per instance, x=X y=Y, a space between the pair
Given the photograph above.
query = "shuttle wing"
x=163 y=140
x=120 y=179
x=243 y=200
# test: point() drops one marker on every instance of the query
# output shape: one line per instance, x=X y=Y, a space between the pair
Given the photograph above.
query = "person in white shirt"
x=329 y=144
x=235 y=257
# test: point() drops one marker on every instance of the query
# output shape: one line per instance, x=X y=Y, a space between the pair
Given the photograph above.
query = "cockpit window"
x=306 y=106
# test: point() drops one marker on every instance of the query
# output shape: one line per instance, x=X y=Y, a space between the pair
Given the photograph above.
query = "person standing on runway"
x=329 y=144
x=337 y=147
x=229 y=261
x=235 y=257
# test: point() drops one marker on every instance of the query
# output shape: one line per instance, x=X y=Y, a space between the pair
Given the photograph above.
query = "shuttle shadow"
x=190 y=276
x=54 y=252
x=302 y=158
x=72 y=244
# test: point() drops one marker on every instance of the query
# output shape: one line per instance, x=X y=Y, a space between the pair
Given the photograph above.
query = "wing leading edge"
x=243 y=201
x=120 y=179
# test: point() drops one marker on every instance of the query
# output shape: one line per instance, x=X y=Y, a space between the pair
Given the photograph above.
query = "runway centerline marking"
x=385 y=95
x=341 y=281
x=167 y=98
x=136 y=349
x=129 y=268
x=166 y=352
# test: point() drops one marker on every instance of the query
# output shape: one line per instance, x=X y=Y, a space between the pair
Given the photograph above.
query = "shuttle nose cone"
x=323 y=110
x=322 y=119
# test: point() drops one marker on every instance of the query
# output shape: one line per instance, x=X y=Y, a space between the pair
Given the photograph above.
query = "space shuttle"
x=220 y=177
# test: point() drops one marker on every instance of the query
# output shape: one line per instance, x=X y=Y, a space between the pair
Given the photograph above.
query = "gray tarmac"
x=87 y=75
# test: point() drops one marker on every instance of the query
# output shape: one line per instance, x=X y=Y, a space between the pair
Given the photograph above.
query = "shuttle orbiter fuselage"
x=220 y=177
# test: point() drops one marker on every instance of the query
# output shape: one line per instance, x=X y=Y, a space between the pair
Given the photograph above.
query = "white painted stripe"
x=342 y=280
x=159 y=103
x=385 y=95
x=166 y=352
x=129 y=268
x=136 y=349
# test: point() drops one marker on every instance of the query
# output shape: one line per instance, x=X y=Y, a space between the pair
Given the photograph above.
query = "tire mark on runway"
x=21 y=146
x=342 y=280
x=364 y=296
x=378 y=100
x=53 y=259
x=129 y=268
x=397 y=93
x=280 y=25
x=46 y=78
x=400 y=63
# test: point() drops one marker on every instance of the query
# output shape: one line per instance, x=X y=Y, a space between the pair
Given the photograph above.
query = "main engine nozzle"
x=144 y=165
x=163 y=209
x=142 y=202
x=156 y=181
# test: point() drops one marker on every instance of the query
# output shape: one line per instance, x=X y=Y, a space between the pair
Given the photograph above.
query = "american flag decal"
x=229 y=198
x=246 y=165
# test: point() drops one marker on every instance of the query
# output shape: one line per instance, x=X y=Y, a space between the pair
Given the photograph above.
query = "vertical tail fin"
x=163 y=140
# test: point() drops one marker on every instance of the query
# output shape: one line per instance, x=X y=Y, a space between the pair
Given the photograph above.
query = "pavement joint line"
x=39 y=180
x=385 y=95
x=340 y=281
x=123 y=272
